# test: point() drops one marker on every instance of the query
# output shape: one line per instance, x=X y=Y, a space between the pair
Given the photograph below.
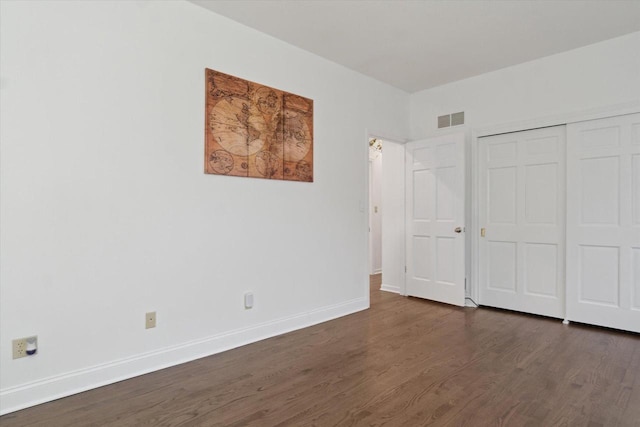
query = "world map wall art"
x=256 y=131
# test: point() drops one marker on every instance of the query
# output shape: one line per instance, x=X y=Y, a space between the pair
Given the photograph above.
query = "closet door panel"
x=522 y=199
x=603 y=222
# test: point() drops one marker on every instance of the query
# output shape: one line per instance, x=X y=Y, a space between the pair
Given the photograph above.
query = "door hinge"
x=405 y=268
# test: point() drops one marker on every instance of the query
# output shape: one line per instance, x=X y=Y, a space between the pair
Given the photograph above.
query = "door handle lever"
x=458 y=230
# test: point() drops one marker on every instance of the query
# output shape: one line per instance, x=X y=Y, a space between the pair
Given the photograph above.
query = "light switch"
x=248 y=300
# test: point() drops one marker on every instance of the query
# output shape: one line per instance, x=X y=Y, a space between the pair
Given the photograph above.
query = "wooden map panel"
x=256 y=131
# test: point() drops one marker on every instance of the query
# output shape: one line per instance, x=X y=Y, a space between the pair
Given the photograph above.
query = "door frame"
x=517 y=126
x=369 y=216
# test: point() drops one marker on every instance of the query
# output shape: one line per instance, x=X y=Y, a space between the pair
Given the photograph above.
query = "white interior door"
x=522 y=212
x=435 y=219
x=603 y=222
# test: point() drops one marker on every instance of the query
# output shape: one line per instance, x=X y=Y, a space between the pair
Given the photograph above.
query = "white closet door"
x=522 y=199
x=603 y=222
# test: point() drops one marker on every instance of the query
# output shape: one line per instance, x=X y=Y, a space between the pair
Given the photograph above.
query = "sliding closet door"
x=603 y=222
x=522 y=199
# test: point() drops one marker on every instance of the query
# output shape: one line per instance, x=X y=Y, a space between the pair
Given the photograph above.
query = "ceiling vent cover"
x=454 y=119
x=444 y=121
x=457 y=119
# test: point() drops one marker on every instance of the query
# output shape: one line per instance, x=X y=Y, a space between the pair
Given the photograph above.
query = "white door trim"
x=369 y=217
x=545 y=121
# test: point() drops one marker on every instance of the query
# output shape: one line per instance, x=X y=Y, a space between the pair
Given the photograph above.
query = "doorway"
x=386 y=212
x=375 y=202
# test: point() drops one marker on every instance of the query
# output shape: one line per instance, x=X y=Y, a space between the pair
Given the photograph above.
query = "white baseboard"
x=23 y=396
x=390 y=288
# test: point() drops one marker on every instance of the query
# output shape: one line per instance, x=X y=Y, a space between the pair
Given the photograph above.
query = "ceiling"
x=416 y=45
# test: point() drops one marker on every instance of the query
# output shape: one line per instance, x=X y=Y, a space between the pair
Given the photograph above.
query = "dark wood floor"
x=404 y=362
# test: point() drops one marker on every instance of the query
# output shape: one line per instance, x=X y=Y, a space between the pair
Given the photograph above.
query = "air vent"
x=444 y=121
x=457 y=119
x=454 y=119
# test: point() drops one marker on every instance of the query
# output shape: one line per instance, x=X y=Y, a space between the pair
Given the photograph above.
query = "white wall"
x=393 y=217
x=375 y=201
x=107 y=214
x=595 y=76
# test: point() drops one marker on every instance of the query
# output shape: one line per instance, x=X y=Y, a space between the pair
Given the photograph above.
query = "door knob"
x=458 y=230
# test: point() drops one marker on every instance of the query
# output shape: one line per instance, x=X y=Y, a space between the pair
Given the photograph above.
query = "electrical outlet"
x=150 y=320
x=20 y=346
